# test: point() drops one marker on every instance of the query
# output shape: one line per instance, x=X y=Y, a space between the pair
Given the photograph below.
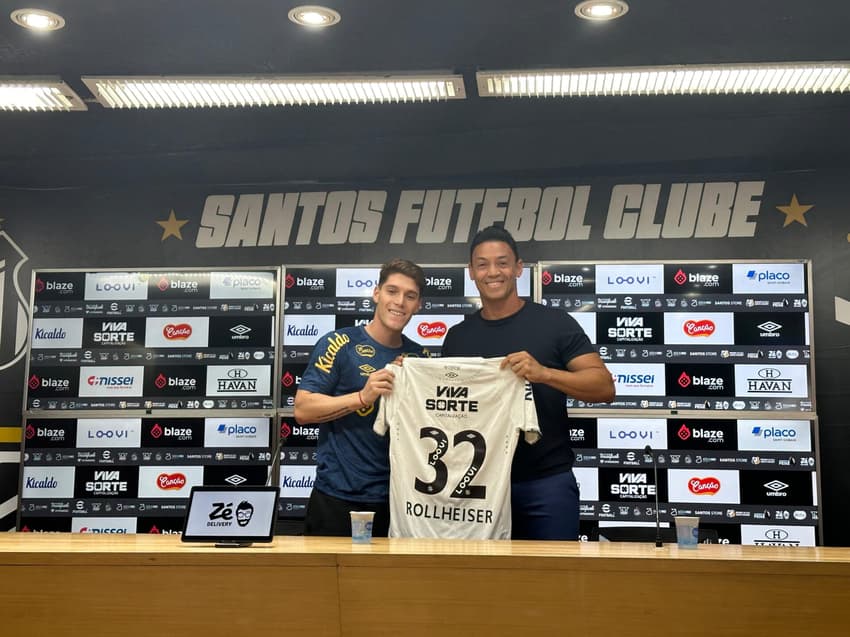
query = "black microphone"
x=647 y=451
x=275 y=457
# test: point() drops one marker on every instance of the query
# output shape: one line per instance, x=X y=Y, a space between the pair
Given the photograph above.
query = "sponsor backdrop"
x=797 y=215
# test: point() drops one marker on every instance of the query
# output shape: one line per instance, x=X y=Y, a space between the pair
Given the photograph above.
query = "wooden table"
x=63 y=584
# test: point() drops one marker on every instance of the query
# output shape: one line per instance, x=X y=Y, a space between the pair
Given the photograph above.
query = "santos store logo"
x=109 y=432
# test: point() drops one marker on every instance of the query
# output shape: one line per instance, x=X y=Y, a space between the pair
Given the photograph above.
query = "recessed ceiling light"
x=601 y=9
x=37 y=19
x=311 y=15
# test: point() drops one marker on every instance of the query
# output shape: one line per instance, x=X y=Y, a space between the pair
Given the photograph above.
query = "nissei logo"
x=634 y=379
x=110 y=381
x=87 y=529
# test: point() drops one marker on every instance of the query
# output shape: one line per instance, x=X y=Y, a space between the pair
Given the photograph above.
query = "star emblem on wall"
x=794 y=211
x=171 y=226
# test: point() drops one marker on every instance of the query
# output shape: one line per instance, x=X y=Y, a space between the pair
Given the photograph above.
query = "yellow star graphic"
x=794 y=211
x=171 y=226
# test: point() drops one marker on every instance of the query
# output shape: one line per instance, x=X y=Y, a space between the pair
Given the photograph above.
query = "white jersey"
x=454 y=426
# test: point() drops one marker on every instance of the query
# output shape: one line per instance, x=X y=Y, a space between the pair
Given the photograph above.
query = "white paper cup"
x=361 y=526
x=687 y=531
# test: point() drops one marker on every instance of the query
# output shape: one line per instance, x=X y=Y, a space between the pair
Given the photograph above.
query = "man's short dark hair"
x=493 y=233
x=405 y=267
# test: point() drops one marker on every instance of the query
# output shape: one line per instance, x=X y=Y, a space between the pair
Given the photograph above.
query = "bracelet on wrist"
x=363 y=403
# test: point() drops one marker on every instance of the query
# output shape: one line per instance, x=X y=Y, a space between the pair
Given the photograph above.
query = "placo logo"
x=716 y=486
x=115 y=286
x=236 y=432
x=103 y=525
x=109 y=432
x=249 y=380
x=57 y=333
x=306 y=330
x=638 y=380
x=768 y=278
x=618 y=433
x=687 y=328
x=356 y=282
x=111 y=381
x=631 y=279
x=774 y=435
x=177 y=332
x=242 y=285
x=771 y=380
x=48 y=482
x=296 y=481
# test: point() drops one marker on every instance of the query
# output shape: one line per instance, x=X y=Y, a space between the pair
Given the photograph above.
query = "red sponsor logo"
x=684 y=433
x=704 y=327
x=34 y=382
x=156 y=431
x=39 y=286
x=546 y=278
x=30 y=432
x=704 y=486
x=178 y=332
x=285 y=430
x=290 y=281
x=287 y=380
x=163 y=284
x=437 y=329
x=171 y=481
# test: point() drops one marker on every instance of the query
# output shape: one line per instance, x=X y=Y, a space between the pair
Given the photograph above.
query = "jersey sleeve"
x=388 y=405
x=530 y=426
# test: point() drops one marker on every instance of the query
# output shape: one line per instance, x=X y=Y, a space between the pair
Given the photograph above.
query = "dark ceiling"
x=474 y=136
